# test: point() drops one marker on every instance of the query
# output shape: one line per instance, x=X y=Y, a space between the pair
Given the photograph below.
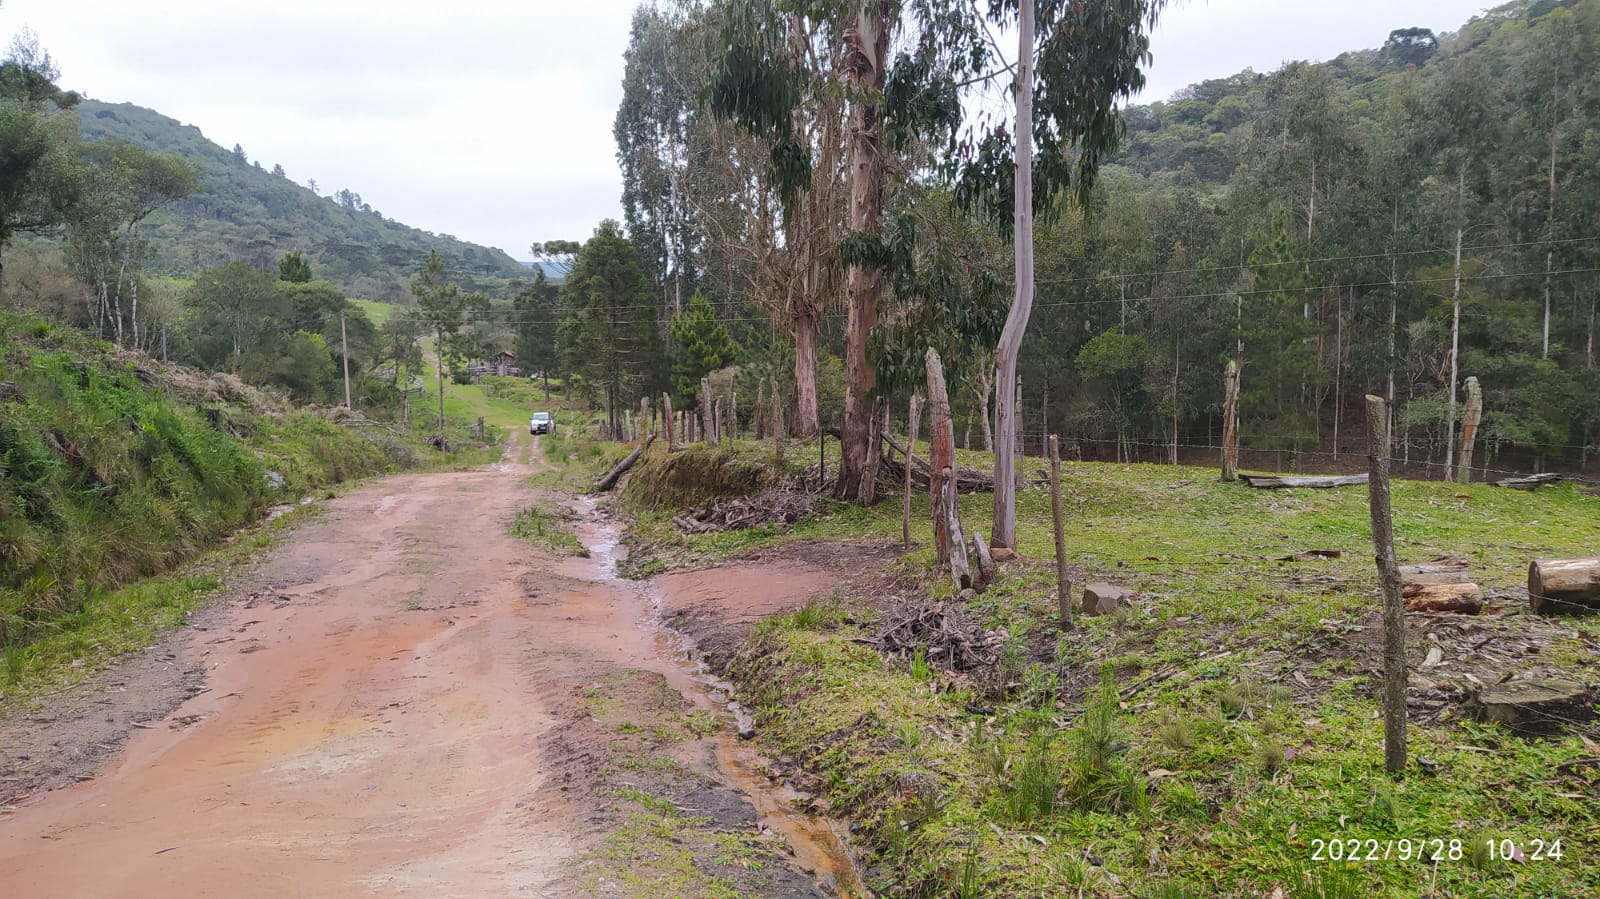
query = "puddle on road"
x=816 y=840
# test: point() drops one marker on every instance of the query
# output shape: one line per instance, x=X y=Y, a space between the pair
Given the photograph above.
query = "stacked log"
x=1442 y=585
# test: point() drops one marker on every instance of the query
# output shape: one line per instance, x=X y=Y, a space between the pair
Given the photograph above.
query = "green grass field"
x=1241 y=735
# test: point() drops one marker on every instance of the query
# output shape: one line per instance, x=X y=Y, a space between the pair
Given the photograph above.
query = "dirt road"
x=406 y=700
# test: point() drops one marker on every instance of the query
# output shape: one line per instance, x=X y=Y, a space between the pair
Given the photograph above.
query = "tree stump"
x=1534 y=706
x=1564 y=586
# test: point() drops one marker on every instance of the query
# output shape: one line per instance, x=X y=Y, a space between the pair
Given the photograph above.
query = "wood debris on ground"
x=781 y=505
x=946 y=633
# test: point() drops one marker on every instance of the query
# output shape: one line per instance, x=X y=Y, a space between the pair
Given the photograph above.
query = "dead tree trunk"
x=947 y=535
x=1063 y=585
x=667 y=419
x=1557 y=586
x=1230 y=422
x=1469 y=430
x=1394 y=617
x=911 y=464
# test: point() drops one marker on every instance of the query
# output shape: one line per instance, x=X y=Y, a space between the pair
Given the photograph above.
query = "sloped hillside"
x=246 y=212
x=114 y=466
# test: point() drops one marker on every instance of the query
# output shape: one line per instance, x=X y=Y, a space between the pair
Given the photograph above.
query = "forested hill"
x=249 y=211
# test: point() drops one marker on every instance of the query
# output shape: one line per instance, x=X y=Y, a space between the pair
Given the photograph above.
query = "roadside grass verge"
x=117 y=470
x=545 y=526
x=107 y=623
x=1243 y=735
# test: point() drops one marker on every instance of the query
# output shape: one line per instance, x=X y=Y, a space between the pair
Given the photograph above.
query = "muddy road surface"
x=406 y=700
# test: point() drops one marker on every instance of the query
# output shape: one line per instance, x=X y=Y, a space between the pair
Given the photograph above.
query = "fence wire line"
x=1156 y=443
x=1223 y=294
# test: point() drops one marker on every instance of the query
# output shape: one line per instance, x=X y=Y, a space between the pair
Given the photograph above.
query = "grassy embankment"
x=118 y=472
x=1240 y=722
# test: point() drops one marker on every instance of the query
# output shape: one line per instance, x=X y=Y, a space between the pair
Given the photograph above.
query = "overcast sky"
x=491 y=119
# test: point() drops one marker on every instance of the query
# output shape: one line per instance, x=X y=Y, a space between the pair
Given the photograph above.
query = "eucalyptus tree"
x=120 y=188
x=1075 y=61
x=652 y=132
x=1463 y=112
x=778 y=79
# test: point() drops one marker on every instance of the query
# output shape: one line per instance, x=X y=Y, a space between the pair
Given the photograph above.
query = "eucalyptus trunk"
x=1003 y=534
x=866 y=55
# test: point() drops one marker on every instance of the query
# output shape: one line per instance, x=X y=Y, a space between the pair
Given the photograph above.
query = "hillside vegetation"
x=116 y=467
x=245 y=212
x=1391 y=221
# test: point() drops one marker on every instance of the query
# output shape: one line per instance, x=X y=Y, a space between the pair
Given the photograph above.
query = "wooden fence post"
x=1469 y=430
x=777 y=420
x=911 y=455
x=1394 y=618
x=666 y=419
x=1063 y=585
x=1230 y=423
x=822 y=458
x=947 y=536
x=1021 y=441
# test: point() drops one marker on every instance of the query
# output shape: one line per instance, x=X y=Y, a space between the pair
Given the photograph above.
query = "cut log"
x=1534 y=706
x=1564 y=586
x=610 y=480
x=1103 y=599
x=985 y=564
x=1530 y=481
x=1464 y=598
x=1271 y=482
x=1439 y=571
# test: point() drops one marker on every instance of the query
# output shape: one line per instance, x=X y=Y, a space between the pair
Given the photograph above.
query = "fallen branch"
x=610 y=480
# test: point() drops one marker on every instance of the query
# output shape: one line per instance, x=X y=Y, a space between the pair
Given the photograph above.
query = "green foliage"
x=252 y=215
x=442 y=309
x=608 y=333
x=294 y=268
x=107 y=477
x=703 y=346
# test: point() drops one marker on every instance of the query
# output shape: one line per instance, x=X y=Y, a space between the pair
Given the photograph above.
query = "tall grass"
x=105 y=478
